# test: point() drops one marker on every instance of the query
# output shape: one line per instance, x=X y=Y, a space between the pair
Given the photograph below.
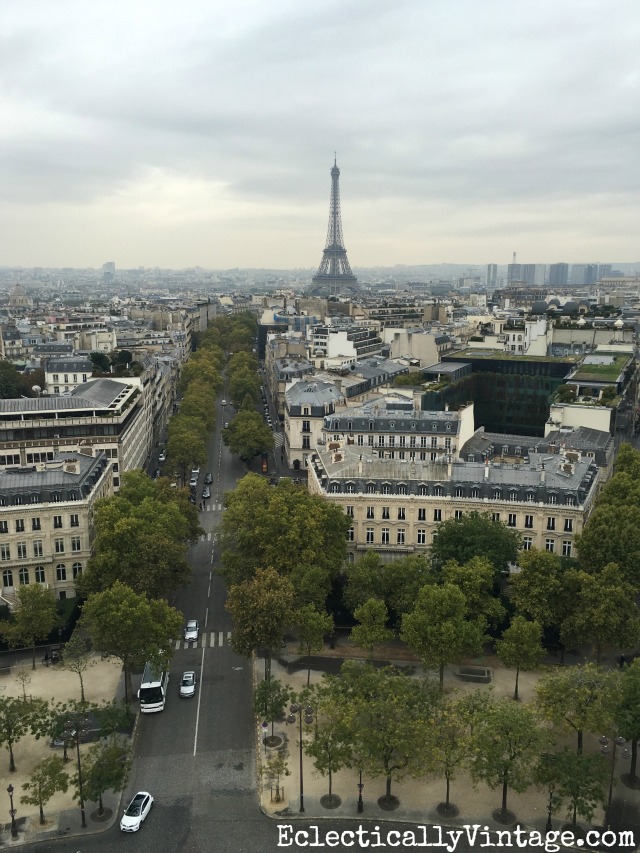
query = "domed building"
x=19 y=299
x=539 y=307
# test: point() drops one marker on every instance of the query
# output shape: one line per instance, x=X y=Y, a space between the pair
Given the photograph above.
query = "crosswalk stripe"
x=228 y=635
x=177 y=644
x=221 y=638
x=216 y=639
x=212 y=640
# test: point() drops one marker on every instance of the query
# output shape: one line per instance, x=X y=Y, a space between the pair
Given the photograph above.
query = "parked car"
x=136 y=812
x=188 y=685
x=224 y=402
x=163 y=456
x=195 y=472
x=226 y=424
x=191 y=631
x=208 y=478
x=193 y=482
x=206 y=493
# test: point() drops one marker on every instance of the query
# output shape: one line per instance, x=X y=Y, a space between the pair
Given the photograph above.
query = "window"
x=350 y=511
x=568 y=525
x=513 y=495
x=360 y=440
x=370 y=488
x=403 y=441
x=434 y=442
x=447 y=443
x=5 y=552
x=531 y=496
x=23 y=576
x=369 y=535
x=412 y=441
x=549 y=545
x=497 y=494
x=349 y=426
x=57 y=522
x=457 y=513
x=350 y=488
x=553 y=499
x=402 y=489
x=76 y=569
x=385 y=536
x=4 y=527
x=7 y=578
x=423 y=490
x=437 y=515
x=386 y=513
x=37 y=547
x=495 y=516
x=306 y=426
x=528 y=522
x=371 y=512
x=512 y=519
x=422 y=536
x=459 y=492
x=401 y=513
x=527 y=542
x=370 y=440
x=56 y=377
x=475 y=492
x=55 y=498
x=386 y=489
x=35 y=524
x=306 y=442
x=422 y=514
x=59 y=546
x=571 y=501
x=39 y=570
x=350 y=535
x=75 y=543
x=19 y=525
x=566 y=548
x=380 y=441
x=437 y=491
x=551 y=523
x=61 y=572
x=392 y=441
x=22 y=550
x=423 y=441
x=400 y=535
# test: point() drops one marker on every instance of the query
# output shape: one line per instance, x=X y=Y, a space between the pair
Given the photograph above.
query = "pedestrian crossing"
x=212 y=507
x=278 y=440
x=208 y=639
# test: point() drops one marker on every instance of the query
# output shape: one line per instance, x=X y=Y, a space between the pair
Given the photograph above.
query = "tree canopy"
x=248 y=435
x=473 y=535
x=34 y=619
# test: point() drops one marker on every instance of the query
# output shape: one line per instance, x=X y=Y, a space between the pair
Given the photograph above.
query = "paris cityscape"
x=319 y=427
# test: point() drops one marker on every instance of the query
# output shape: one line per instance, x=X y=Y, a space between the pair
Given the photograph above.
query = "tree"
x=397 y=582
x=312 y=625
x=247 y=435
x=186 y=445
x=10 y=385
x=447 y=744
x=438 y=629
x=275 y=767
x=521 y=646
x=330 y=746
x=16 y=719
x=284 y=528
x=476 y=579
x=78 y=657
x=34 y=618
x=46 y=779
x=538 y=590
x=101 y=361
x=372 y=630
x=577 y=780
x=269 y=700
x=106 y=767
x=476 y=535
x=626 y=713
x=576 y=699
x=605 y=613
x=23 y=677
x=261 y=609
x=506 y=741
x=130 y=627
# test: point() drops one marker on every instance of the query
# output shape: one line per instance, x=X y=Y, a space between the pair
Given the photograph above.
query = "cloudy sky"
x=202 y=132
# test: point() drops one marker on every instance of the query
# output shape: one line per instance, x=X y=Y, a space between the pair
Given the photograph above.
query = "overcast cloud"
x=202 y=133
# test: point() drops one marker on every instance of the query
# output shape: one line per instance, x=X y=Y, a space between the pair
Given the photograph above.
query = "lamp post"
x=606 y=749
x=12 y=812
x=298 y=710
x=360 y=787
x=74 y=731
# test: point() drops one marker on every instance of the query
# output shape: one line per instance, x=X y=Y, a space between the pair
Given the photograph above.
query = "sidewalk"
x=102 y=682
x=418 y=798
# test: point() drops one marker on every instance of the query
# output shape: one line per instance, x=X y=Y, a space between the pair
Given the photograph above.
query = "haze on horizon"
x=203 y=133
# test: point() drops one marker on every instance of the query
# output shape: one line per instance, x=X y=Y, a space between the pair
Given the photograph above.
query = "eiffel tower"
x=334 y=274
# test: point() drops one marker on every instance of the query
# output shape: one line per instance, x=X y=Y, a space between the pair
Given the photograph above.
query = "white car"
x=191 y=631
x=162 y=457
x=224 y=402
x=136 y=812
x=195 y=472
x=188 y=685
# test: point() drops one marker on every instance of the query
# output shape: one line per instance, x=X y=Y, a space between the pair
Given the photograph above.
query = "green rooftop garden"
x=601 y=372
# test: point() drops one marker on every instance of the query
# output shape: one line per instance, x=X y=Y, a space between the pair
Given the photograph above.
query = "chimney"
x=360 y=464
x=542 y=474
x=71 y=466
x=486 y=469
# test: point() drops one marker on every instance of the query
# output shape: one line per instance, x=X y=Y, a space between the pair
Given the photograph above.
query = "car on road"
x=195 y=472
x=206 y=493
x=226 y=424
x=136 y=812
x=188 y=685
x=191 y=631
x=223 y=402
x=163 y=456
x=193 y=483
x=208 y=478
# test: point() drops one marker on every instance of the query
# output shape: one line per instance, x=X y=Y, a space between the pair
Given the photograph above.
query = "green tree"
x=397 y=582
x=577 y=698
x=539 y=591
x=579 y=781
x=626 y=713
x=130 y=627
x=475 y=579
x=101 y=361
x=274 y=768
x=438 y=630
x=283 y=527
x=47 y=778
x=330 y=746
x=33 y=619
x=78 y=657
x=447 y=744
x=105 y=767
x=476 y=535
x=247 y=435
x=269 y=700
x=521 y=647
x=312 y=626
x=186 y=445
x=261 y=608
x=605 y=613
x=10 y=384
x=16 y=719
x=506 y=742
x=372 y=630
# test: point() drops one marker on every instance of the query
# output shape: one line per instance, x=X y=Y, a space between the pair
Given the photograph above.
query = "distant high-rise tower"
x=492 y=276
x=558 y=274
x=334 y=273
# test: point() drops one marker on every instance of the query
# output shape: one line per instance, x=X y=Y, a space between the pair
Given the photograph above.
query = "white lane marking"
x=212 y=639
x=206 y=616
x=221 y=638
x=177 y=644
x=195 y=737
x=228 y=635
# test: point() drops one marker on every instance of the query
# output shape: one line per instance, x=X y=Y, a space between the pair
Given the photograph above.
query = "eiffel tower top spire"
x=334 y=273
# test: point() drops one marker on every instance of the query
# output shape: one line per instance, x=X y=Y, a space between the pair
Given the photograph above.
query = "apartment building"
x=306 y=405
x=397 y=505
x=62 y=375
x=46 y=520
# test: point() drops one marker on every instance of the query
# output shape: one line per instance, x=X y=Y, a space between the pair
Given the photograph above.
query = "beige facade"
x=46 y=521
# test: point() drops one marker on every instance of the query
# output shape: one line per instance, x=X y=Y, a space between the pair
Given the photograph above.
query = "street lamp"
x=74 y=732
x=360 y=787
x=606 y=750
x=12 y=812
x=296 y=709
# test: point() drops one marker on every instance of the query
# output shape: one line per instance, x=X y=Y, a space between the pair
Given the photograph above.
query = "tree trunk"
x=12 y=763
x=446 y=802
x=387 y=795
x=330 y=782
x=579 y=741
x=81 y=687
x=100 y=806
x=127 y=685
x=515 y=695
x=441 y=678
x=33 y=655
x=505 y=787
x=42 y=820
x=575 y=814
x=634 y=760
x=308 y=670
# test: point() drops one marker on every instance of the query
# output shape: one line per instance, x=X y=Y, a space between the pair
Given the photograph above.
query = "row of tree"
x=247 y=434
x=390 y=725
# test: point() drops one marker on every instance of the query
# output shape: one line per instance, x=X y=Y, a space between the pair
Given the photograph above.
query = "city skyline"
x=204 y=135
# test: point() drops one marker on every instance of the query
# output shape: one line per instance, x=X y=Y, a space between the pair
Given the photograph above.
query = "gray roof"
x=69 y=364
x=98 y=393
x=583 y=439
x=24 y=486
x=312 y=393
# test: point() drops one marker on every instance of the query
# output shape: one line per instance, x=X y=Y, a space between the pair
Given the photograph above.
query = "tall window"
x=39 y=572
x=350 y=511
x=401 y=513
x=22 y=550
x=512 y=519
x=385 y=536
x=35 y=524
x=566 y=549
x=422 y=514
x=422 y=536
x=568 y=525
x=457 y=513
x=400 y=536
x=549 y=545
x=495 y=516
x=350 y=535
x=371 y=512
x=37 y=547
x=59 y=546
x=23 y=576
x=75 y=543
x=528 y=522
x=5 y=552
x=57 y=522
x=4 y=527
x=61 y=572
x=437 y=515
x=7 y=577
x=527 y=542
x=19 y=525
x=77 y=570
x=551 y=523
x=369 y=535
